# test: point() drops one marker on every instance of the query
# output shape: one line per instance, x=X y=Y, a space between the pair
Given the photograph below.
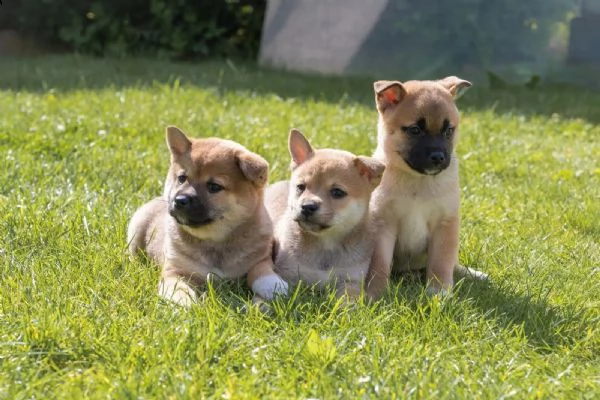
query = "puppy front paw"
x=177 y=291
x=268 y=286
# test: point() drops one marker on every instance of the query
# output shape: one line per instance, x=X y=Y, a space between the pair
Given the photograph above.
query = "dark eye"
x=181 y=178
x=414 y=130
x=449 y=132
x=300 y=188
x=337 y=193
x=213 y=187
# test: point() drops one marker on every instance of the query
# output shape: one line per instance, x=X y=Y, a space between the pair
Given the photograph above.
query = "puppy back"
x=276 y=198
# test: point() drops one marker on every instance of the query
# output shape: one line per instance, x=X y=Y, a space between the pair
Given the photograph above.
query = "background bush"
x=167 y=28
x=422 y=34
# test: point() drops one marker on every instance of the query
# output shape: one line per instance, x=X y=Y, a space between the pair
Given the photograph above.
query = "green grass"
x=82 y=145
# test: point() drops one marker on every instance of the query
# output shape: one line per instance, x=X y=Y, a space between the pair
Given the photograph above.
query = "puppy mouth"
x=196 y=223
x=428 y=171
x=191 y=221
x=311 y=226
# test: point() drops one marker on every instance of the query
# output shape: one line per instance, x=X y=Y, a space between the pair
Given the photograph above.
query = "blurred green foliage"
x=176 y=29
x=434 y=32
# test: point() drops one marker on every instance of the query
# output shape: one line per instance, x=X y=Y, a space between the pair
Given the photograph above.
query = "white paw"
x=177 y=292
x=466 y=272
x=482 y=276
x=270 y=285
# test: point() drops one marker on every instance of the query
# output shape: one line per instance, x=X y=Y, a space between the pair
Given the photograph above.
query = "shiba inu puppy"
x=210 y=220
x=417 y=203
x=323 y=233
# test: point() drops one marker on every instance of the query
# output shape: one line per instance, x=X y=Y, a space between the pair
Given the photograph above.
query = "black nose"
x=437 y=157
x=309 y=208
x=182 y=201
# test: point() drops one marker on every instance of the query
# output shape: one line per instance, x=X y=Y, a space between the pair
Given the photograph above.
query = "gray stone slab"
x=419 y=39
x=317 y=35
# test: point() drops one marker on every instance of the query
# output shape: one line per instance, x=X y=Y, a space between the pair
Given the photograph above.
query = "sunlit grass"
x=82 y=145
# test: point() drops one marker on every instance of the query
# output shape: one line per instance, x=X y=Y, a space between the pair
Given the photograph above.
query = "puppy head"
x=329 y=189
x=213 y=185
x=418 y=122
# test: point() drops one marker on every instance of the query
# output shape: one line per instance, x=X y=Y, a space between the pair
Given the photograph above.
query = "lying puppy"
x=210 y=220
x=323 y=233
x=417 y=203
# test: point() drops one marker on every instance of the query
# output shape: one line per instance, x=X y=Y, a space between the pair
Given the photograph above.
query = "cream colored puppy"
x=323 y=232
x=417 y=204
x=210 y=220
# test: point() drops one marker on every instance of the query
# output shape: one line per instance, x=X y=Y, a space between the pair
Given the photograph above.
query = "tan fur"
x=236 y=243
x=417 y=214
x=340 y=253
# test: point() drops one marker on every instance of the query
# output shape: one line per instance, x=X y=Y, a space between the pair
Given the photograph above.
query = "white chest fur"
x=414 y=206
x=322 y=261
x=414 y=219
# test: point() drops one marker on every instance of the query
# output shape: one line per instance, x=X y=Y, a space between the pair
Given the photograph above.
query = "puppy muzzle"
x=189 y=210
x=431 y=163
x=309 y=224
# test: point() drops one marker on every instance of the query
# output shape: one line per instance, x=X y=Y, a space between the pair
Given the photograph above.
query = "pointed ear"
x=456 y=86
x=177 y=141
x=388 y=94
x=254 y=167
x=370 y=168
x=300 y=148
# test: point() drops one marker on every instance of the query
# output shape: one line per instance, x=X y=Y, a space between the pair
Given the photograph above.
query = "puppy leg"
x=264 y=282
x=381 y=263
x=442 y=256
x=176 y=289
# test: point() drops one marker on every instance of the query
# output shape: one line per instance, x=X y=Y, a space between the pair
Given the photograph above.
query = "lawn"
x=82 y=146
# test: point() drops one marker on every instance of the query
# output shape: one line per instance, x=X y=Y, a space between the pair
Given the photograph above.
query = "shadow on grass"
x=543 y=325
x=65 y=73
x=68 y=73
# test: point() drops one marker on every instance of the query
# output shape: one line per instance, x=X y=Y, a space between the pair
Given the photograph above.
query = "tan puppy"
x=323 y=232
x=417 y=202
x=210 y=220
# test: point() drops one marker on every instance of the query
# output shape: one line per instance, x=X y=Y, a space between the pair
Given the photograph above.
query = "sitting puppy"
x=210 y=220
x=417 y=203
x=323 y=232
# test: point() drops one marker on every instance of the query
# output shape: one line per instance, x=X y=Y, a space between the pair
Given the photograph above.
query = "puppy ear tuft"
x=370 y=168
x=254 y=167
x=300 y=149
x=456 y=86
x=388 y=94
x=177 y=141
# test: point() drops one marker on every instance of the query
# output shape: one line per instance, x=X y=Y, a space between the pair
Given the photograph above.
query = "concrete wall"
x=317 y=35
x=417 y=38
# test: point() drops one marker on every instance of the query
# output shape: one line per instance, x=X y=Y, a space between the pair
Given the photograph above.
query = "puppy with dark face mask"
x=323 y=230
x=210 y=220
x=417 y=203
